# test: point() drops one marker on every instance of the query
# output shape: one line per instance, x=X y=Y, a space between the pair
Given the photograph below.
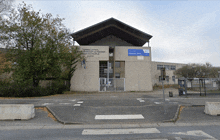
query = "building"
x=116 y=59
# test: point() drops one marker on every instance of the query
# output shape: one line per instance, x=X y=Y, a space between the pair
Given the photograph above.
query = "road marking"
x=119 y=131
x=118 y=117
x=80 y=102
x=73 y=100
x=64 y=103
x=178 y=138
x=199 y=133
x=140 y=100
x=157 y=103
x=76 y=104
x=153 y=139
x=47 y=104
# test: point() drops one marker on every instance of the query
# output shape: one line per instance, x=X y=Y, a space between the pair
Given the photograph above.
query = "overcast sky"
x=183 y=31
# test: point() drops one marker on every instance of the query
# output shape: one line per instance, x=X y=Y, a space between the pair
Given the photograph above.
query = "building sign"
x=138 y=52
x=92 y=52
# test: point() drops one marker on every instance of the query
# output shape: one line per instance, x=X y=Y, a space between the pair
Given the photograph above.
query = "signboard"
x=138 y=52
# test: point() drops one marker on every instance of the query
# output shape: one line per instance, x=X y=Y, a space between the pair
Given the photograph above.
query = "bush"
x=27 y=90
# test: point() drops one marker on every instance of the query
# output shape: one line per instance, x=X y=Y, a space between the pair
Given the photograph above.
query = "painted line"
x=47 y=104
x=139 y=98
x=118 y=117
x=198 y=133
x=157 y=103
x=153 y=139
x=73 y=100
x=119 y=131
x=76 y=104
x=64 y=103
x=141 y=101
x=80 y=102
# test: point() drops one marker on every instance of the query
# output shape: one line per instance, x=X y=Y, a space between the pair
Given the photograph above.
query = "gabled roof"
x=111 y=27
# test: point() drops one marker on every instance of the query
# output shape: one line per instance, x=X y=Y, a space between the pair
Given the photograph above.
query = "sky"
x=183 y=31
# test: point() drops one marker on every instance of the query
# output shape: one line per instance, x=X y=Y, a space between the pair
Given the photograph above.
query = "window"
x=172 y=67
x=159 y=67
x=117 y=75
x=117 y=64
x=167 y=67
x=173 y=78
x=167 y=78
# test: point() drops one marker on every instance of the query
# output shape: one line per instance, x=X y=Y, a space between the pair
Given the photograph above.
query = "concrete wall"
x=156 y=73
x=137 y=72
x=88 y=79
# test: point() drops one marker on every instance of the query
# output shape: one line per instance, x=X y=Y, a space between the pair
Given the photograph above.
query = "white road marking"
x=199 y=133
x=73 y=100
x=76 y=104
x=157 y=103
x=139 y=98
x=64 y=103
x=178 y=138
x=167 y=99
x=80 y=102
x=153 y=139
x=141 y=101
x=47 y=104
x=119 y=131
x=118 y=117
x=173 y=102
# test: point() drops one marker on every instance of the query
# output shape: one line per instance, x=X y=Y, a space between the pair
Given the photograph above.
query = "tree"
x=197 y=71
x=36 y=44
x=4 y=64
x=71 y=59
x=5 y=5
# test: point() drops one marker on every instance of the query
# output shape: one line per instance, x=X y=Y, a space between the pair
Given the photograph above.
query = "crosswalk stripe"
x=119 y=131
x=118 y=117
x=76 y=104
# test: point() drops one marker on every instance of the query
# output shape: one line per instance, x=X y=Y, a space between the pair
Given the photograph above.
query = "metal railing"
x=111 y=84
x=202 y=86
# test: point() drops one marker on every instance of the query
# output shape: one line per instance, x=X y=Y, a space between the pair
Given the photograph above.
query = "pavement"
x=81 y=109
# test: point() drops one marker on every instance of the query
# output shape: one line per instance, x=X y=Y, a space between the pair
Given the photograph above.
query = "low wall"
x=212 y=108
x=16 y=111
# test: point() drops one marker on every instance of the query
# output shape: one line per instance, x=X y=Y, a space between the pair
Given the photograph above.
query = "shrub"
x=27 y=90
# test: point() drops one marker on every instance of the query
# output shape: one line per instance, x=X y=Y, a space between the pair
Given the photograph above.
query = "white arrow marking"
x=199 y=133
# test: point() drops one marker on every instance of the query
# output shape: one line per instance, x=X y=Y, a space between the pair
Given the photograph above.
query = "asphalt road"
x=138 y=115
x=161 y=133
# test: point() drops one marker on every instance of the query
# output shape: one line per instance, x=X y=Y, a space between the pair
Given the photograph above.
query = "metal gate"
x=111 y=84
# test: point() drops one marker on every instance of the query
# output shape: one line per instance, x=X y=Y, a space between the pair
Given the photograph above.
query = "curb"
x=60 y=120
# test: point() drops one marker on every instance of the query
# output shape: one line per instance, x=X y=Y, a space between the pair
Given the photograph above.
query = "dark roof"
x=111 y=27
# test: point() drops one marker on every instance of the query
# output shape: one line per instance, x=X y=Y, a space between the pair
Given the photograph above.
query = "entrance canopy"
x=111 y=27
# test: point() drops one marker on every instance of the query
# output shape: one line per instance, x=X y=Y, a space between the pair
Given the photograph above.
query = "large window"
x=167 y=78
x=159 y=67
x=167 y=67
x=117 y=64
x=173 y=78
x=172 y=67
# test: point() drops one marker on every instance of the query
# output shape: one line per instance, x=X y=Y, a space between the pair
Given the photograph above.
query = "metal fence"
x=202 y=86
x=111 y=84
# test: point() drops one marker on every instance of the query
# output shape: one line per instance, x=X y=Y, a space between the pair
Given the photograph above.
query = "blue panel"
x=138 y=52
